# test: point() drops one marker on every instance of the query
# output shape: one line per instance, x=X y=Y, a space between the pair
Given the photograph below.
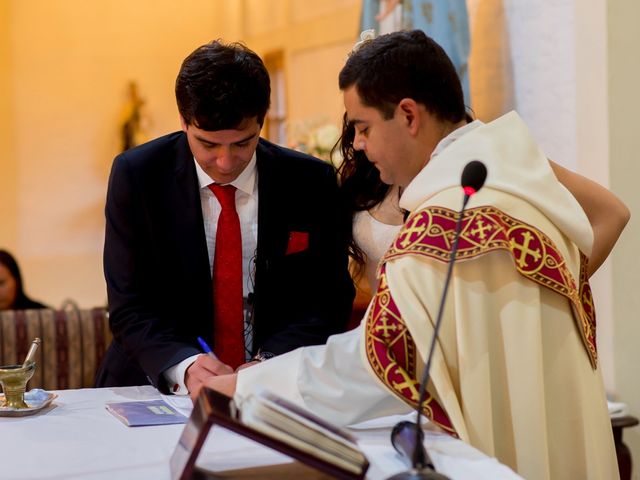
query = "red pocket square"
x=298 y=242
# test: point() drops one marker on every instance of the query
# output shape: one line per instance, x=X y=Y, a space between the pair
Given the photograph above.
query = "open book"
x=276 y=423
x=272 y=415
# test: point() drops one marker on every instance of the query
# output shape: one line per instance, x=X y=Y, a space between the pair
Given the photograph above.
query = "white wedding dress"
x=373 y=237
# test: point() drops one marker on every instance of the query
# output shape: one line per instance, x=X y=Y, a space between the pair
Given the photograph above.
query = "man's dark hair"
x=220 y=85
x=406 y=64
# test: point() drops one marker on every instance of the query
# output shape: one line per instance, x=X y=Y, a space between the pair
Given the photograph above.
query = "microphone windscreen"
x=473 y=176
x=403 y=439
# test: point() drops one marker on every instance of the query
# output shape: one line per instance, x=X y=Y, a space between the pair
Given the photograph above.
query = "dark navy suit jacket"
x=157 y=269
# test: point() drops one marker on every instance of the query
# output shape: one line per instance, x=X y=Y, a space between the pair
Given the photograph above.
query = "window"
x=275 y=123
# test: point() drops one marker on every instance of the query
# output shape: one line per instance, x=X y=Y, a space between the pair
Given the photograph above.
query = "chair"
x=74 y=342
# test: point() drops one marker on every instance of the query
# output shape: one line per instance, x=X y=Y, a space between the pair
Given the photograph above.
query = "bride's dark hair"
x=361 y=186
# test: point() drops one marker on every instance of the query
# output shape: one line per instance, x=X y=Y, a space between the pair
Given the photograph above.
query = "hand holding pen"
x=204 y=367
x=206 y=348
x=222 y=373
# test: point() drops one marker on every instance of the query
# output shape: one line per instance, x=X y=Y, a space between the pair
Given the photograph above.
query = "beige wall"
x=624 y=105
x=68 y=63
x=8 y=160
x=592 y=152
x=314 y=38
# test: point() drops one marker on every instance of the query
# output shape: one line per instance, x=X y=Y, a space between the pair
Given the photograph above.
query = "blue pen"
x=206 y=348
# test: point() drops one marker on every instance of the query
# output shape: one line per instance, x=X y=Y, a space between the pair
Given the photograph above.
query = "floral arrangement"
x=316 y=137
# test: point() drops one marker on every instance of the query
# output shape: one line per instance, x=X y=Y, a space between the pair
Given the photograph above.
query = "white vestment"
x=512 y=369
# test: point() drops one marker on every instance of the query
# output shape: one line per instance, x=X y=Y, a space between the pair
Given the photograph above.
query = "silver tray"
x=36 y=400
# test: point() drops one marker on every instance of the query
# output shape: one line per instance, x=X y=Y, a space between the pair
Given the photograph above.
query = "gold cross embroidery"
x=586 y=325
x=481 y=228
x=414 y=228
x=525 y=250
x=385 y=327
x=409 y=383
x=588 y=300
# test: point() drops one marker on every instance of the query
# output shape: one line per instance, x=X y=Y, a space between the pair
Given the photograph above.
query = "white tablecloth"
x=78 y=439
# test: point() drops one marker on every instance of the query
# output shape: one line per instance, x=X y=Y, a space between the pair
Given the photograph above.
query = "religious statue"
x=133 y=123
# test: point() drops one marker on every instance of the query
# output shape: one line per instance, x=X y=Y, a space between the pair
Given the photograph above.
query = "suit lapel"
x=187 y=216
x=272 y=203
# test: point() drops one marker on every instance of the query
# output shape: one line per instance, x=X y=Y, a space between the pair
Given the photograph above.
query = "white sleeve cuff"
x=175 y=376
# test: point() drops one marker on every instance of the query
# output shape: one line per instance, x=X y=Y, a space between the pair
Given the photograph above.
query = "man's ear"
x=183 y=123
x=408 y=109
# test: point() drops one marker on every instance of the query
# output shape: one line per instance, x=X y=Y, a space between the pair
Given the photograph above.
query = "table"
x=78 y=439
x=622 y=451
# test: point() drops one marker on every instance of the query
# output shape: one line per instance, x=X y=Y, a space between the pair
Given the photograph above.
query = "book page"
x=275 y=416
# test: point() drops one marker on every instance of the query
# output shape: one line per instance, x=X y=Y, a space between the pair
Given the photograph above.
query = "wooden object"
x=622 y=451
x=213 y=408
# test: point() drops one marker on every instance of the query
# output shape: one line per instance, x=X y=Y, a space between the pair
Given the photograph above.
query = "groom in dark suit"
x=213 y=232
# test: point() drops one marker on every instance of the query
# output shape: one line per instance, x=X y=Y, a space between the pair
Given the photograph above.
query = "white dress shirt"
x=247 y=208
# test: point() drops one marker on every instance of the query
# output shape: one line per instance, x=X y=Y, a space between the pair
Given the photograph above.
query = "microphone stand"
x=422 y=467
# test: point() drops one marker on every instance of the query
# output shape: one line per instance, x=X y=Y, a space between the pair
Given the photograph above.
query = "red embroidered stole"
x=390 y=348
x=391 y=352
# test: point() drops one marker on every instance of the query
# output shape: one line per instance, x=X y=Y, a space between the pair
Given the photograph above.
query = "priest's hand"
x=203 y=368
x=225 y=384
x=247 y=365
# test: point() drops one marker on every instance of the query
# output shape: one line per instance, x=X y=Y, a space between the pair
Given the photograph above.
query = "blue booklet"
x=145 y=413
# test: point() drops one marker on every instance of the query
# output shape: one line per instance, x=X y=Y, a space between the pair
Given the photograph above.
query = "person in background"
x=214 y=232
x=12 y=296
x=378 y=218
x=515 y=371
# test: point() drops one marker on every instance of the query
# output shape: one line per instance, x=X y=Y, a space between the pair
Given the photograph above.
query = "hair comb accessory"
x=365 y=37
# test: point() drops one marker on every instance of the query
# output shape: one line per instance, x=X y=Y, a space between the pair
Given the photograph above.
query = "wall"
x=522 y=58
x=315 y=38
x=8 y=160
x=68 y=65
x=592 y=151
x=624 y=105
x=542 y=43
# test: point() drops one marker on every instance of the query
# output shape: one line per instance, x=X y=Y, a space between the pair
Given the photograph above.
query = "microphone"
x=472 y=179
x=407 y=437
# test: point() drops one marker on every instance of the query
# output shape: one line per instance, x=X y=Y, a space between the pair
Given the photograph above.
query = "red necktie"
x=228 y=321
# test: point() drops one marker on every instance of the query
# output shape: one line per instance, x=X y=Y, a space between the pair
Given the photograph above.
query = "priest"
x=515 y=370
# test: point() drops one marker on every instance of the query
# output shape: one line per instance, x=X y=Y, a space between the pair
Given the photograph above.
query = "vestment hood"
x=515 y=165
